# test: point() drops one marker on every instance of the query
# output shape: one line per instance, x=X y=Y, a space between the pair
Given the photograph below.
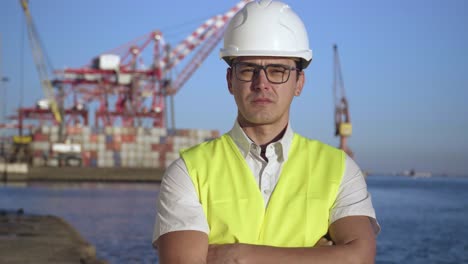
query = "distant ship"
x=417 y=174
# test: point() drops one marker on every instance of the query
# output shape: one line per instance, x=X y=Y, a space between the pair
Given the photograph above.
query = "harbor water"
x=423 y=220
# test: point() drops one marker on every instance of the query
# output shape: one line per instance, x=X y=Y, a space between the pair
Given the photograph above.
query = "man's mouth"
x=261 y=101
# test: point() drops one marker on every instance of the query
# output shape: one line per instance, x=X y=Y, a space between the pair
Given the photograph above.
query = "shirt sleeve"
x=178 y=206
x=353 y=197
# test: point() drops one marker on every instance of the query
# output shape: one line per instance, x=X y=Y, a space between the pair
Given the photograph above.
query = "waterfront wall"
x=88 y=174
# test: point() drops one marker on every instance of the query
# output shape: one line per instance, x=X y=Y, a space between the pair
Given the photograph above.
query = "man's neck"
x=262 y=135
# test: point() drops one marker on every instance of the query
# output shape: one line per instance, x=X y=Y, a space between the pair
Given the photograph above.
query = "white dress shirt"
x=179 y=207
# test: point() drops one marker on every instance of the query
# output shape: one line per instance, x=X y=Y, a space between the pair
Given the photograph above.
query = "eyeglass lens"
x=275 y=73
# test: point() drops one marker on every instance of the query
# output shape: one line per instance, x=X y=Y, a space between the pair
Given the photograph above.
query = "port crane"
x=131 y=92
x=50 y=108
x=126 y=88
x=41 y=63
x=138 y=91
x=343 y=126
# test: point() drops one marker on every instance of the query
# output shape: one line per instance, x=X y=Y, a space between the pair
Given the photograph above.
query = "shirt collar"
x=244 y=143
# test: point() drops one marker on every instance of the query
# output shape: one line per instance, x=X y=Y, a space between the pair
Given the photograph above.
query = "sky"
x=404 y=65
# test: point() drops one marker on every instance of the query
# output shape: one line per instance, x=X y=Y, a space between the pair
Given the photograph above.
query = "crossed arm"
x=353 y=237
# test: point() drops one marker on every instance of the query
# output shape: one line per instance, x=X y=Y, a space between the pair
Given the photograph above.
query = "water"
x=116 y=218
x=423 y=220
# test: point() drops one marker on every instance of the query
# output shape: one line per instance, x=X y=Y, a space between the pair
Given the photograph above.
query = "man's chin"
x=260 y=120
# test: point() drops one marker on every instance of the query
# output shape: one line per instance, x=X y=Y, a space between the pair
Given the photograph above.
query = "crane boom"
x=40 y=62
x=213 y=33
x=343 y=127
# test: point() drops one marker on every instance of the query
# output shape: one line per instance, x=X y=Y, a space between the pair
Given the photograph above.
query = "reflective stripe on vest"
x=298 y=211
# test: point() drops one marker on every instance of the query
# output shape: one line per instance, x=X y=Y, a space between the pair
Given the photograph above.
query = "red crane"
x=139 y=91
x=343 y=127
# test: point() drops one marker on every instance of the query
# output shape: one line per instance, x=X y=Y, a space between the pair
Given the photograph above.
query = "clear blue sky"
x=404 y=65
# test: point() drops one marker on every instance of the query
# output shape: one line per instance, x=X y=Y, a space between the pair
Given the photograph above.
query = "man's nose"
x=260 y=80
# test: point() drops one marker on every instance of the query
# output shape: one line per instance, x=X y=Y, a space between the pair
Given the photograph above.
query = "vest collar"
x=244 y=143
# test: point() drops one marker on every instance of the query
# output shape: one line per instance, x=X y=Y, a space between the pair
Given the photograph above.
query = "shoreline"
x=84 y=174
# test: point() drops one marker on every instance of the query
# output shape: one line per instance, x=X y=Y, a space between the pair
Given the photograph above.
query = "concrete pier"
x=42 y=239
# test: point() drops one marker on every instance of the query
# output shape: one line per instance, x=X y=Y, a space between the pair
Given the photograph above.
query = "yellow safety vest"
x=298 y=210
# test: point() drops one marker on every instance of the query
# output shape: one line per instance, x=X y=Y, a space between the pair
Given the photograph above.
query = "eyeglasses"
x=275 y=73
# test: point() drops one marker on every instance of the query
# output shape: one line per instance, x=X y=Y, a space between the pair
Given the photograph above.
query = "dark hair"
x=298 y=65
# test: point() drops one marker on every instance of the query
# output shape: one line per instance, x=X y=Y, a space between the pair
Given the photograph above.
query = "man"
x=261 y=193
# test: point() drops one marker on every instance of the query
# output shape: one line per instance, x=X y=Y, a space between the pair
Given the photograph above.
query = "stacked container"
x=119 y=146
x=41 y=147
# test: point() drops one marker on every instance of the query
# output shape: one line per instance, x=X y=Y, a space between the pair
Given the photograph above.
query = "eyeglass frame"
x=258 y=67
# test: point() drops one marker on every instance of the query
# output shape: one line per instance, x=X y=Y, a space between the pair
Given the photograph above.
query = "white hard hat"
x=266 y=28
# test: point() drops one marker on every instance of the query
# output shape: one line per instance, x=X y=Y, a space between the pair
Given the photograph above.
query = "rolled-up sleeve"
x=178 y=206
x=353 y=197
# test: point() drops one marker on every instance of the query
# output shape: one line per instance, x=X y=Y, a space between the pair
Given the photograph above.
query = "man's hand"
x=324 y=242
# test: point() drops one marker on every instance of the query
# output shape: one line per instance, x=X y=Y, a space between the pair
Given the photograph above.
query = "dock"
x=42 y=239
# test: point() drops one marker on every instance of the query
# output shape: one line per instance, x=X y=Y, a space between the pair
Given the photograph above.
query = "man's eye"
x=247 y=70
x=277 y=70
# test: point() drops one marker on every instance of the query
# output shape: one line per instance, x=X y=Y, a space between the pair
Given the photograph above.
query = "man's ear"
x=300 y=83
x=228 y=79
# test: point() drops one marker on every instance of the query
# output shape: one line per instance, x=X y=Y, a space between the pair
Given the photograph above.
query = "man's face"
x=261 y=102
